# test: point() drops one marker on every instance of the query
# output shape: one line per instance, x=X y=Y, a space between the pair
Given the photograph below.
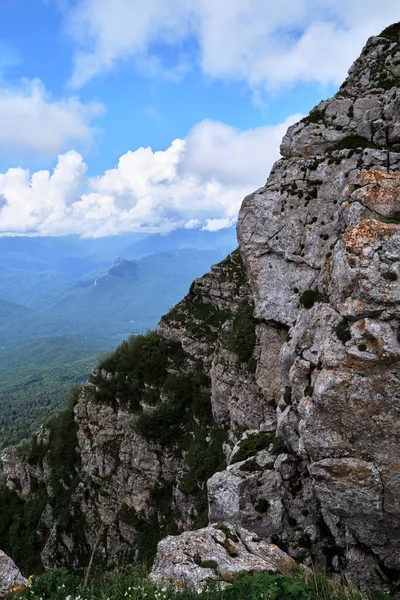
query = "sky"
x=155 y=115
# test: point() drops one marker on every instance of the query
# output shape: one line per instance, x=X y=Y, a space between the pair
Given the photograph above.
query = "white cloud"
x=107 y=31
x=197 y=182
x=217 y=224
x=32 y=123
x=260 y=42
x=217 y=151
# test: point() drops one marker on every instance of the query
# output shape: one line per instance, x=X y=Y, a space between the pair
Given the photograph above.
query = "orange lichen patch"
x=360 y=325
x=14 y=589
x=373 y=176
x=379 y=191
x=367 y=233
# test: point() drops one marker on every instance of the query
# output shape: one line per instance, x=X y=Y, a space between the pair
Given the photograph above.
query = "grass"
x=132 y=583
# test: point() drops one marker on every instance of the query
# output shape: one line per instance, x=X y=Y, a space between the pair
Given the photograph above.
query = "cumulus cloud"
x=196 y=182
x=32 y=123
x=256 y=41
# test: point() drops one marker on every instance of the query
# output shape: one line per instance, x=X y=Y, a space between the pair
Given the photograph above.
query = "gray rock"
x=218 y=552
x=11 y=578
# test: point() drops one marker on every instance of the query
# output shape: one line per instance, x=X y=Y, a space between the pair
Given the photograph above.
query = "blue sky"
x=152 y=115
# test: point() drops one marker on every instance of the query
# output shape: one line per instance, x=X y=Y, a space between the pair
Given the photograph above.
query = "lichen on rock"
x=218 y=552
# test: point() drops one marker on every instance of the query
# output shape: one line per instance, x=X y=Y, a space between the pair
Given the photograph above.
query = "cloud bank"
x=34 y=124
x=261 y=42
x=196 y=182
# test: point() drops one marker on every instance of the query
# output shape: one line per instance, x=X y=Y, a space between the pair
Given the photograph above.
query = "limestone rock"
x=16 y=471
x=218 y=552
x=320 y=242
x=10 y=576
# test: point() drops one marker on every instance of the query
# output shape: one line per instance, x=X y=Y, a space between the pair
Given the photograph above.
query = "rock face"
x=321 y=244
x=130 y=463
x=218 y=552
x=10 y=576
x=269 y=395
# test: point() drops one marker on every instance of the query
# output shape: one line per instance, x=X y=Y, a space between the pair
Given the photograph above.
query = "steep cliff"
x=282 y=362
x=128 y=462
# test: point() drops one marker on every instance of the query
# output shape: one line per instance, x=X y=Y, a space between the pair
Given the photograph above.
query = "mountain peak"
x=119 y=269
x=377 y=69
x=117 y=263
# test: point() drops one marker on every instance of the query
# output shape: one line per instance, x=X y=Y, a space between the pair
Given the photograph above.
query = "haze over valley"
x=66 y=300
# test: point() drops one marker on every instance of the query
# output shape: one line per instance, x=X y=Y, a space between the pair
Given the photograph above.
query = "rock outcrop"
x=269 y=396
x=321 y=244
x=218 y=552
x=11 y=579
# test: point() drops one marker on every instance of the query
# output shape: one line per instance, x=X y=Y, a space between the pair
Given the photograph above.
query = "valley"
x=65 y=302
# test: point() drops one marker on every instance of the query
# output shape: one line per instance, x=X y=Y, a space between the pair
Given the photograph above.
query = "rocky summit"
x=268 y=400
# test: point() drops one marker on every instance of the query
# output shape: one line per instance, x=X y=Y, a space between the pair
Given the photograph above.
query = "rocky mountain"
x=268 y=398
x=120 y=268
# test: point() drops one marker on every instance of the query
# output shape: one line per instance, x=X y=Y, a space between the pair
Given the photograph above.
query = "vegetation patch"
x=391 y=33
x=252 y=365
x=352 y=142
x=242 y=338
x=203 y=458
x=188 y=395
x=21 y=534
x=278 y=446
x=315 y=116
x=209 y=564
x=228 y=533
x=132 y=583
x=253 y=444
x=342 y=331
x=309 y=297
x=18 y=527
x=233 y=269
x=201 y=319
x=230 y=548
x=183 y=423
x=251 y=466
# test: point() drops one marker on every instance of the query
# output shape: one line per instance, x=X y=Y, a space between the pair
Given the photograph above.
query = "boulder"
x=11 y=578
x=218 y=552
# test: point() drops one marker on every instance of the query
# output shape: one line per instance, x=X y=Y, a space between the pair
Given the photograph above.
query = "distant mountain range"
x=55 y=286
x=64 y=300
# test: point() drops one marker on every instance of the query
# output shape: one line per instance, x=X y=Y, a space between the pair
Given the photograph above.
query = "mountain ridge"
x=268 y=397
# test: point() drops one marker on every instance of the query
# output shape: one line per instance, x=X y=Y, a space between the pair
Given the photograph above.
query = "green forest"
x=35 y=381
